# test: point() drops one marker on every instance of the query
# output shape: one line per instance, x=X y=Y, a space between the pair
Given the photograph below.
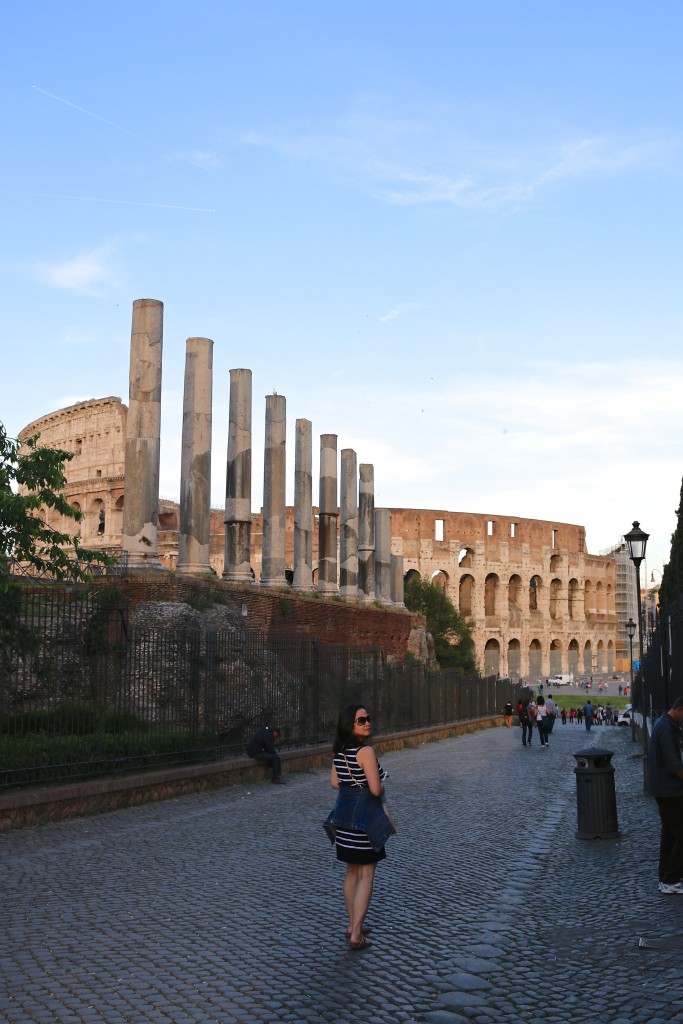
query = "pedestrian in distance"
x=551 y=713
x=527 y=720
x=508 y=714
x=588 y=713
x=542 y=721
x=564 y=716
x=666 y=785
x=359 y=824
x=261 y=747
x=579 y=715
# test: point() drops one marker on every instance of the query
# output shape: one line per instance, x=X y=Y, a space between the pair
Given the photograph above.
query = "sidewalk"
x=226 y=907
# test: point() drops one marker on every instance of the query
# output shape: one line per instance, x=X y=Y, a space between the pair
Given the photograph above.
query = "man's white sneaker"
x=677 y=887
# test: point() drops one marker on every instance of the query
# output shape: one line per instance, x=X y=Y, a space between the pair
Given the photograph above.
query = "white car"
x=625 y=716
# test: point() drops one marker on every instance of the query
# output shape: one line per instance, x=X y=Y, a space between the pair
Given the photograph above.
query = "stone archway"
x=515 y=599
x=514 y=660
x=534 y=593
x=535 y=661
x=555 y=658
x=465 y=594
x=555 y=599
x=573 y=599
x=588 y=659
x=600 y=651
x=610 y=657
x=573 y=659
x=492 y=658
x=491 y=594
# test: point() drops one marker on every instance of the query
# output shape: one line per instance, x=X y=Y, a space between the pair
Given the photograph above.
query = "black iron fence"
x=661 y=679
x=82 y=695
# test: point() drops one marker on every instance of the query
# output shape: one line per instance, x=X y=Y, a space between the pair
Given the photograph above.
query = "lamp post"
x=631 y=632
x=637 y=542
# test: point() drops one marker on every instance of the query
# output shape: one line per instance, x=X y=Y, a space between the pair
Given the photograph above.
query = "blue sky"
x=449 y=232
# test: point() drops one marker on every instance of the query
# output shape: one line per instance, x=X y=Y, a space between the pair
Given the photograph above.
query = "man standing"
x=588 y=712
x=666 y=785
x=261 y=747
x=508 y=714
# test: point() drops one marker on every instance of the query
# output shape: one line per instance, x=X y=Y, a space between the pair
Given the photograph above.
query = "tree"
x=452 y=633
x=672 y=577
x=23 y=534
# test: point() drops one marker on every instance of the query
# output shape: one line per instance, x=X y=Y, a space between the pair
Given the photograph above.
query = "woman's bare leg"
x=361 y=899
x=350 y=886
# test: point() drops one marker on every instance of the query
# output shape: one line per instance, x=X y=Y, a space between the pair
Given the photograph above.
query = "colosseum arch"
x=555 y=563
x=515 y=598
x=588 y=659
x=514 y=660
x=491 y=584
x=556 y=599
x=465 y=558
x=599 y=605
x=92 y=521
x=555 y=658
x=573 y=659
x=609 y=598
x=534 y=593
x=598 y=664
x=491 y=658
x=610 y=656
x=588 y=598
x=573 y=599
x=535 y=661
x=440 y=579
x=117 y=517
x=465 y=594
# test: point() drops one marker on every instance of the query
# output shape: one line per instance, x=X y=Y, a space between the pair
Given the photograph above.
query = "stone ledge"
x=31 y=807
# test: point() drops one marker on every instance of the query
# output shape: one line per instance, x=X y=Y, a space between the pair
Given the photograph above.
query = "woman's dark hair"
x=344 y=737
x=541 y=701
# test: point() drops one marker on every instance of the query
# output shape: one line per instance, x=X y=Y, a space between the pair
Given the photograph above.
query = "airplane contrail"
x=120 y=202
x=120 y=128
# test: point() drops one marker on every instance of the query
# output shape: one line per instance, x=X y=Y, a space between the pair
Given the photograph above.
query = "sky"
x=448 y=232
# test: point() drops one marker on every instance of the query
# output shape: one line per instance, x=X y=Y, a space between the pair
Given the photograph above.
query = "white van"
x=562 y=680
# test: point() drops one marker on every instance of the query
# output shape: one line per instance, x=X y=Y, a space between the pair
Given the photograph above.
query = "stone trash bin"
x=596 y=801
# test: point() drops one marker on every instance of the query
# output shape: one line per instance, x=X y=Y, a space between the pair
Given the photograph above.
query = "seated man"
x=261 y=747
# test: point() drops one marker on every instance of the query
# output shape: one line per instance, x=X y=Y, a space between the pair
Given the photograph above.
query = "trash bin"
x=596 y=801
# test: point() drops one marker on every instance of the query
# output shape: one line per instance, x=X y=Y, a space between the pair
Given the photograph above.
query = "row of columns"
x=367 y=570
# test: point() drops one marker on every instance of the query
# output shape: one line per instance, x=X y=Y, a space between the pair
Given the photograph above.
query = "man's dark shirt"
x=665 y=758
x=261 y=742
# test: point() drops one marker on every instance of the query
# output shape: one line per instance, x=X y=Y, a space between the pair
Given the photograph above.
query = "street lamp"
x=637 y=542
x=631 y=632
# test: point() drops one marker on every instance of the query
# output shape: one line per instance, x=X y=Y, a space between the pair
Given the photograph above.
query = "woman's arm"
x=367 y=759
x=334 y=779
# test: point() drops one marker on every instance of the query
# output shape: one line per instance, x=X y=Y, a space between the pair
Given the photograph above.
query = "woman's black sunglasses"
x=362 y=719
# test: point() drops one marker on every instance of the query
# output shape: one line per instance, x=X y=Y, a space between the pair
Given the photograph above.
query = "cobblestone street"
x=226 y=907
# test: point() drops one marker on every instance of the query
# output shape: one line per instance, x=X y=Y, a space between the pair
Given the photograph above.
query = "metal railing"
x=83 y=695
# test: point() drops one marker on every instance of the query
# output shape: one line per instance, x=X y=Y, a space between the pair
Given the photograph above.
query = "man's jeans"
x=671 y=841
x=271 y=759
x=527 y=732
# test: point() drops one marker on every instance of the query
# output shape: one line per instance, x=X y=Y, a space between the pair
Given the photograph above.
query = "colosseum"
x=540 y=604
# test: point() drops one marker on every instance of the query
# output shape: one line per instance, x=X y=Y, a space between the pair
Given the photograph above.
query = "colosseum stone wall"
x=539 y=603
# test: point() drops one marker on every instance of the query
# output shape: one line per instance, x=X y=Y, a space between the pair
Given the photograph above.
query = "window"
x=553 y=542
x=489 y=528
x=513 y=527
x=438 y=529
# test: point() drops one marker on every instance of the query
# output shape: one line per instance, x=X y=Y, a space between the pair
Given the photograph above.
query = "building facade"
x=539 y=603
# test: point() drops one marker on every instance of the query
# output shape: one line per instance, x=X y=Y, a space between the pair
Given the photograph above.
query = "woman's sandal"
x=362 y=943
x=365 y=929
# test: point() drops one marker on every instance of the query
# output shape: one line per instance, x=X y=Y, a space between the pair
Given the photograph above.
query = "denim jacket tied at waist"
x=357 y=809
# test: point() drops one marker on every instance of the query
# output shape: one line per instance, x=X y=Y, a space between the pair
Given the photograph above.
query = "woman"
x=358 y=823
x=542 y=721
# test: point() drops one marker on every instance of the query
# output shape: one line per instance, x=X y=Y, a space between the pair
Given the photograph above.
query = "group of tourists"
x=601 y=715
x=537 y=714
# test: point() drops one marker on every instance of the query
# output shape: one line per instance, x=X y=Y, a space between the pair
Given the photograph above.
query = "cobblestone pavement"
x=226 y=907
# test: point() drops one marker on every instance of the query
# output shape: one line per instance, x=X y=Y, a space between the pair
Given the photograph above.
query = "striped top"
x=353 y=774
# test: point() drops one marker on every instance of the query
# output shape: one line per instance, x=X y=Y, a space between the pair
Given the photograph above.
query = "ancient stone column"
x=237 y=564
x=274 y=481
x=327 y=516
x=348 y=525
x=383 y=555
x=397 y=581
x=303 y=506
x=195 y=461
x=366 y=532
x=141 y=500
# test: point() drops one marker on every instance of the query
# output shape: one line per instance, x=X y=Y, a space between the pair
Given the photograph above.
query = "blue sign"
x=636 y=666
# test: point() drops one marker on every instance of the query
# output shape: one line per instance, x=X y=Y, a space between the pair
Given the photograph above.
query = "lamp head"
x=637 y=542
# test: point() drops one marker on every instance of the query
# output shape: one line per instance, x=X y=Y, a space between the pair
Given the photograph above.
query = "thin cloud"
x=404 y=307
x=376 y=155
x=88 y=272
